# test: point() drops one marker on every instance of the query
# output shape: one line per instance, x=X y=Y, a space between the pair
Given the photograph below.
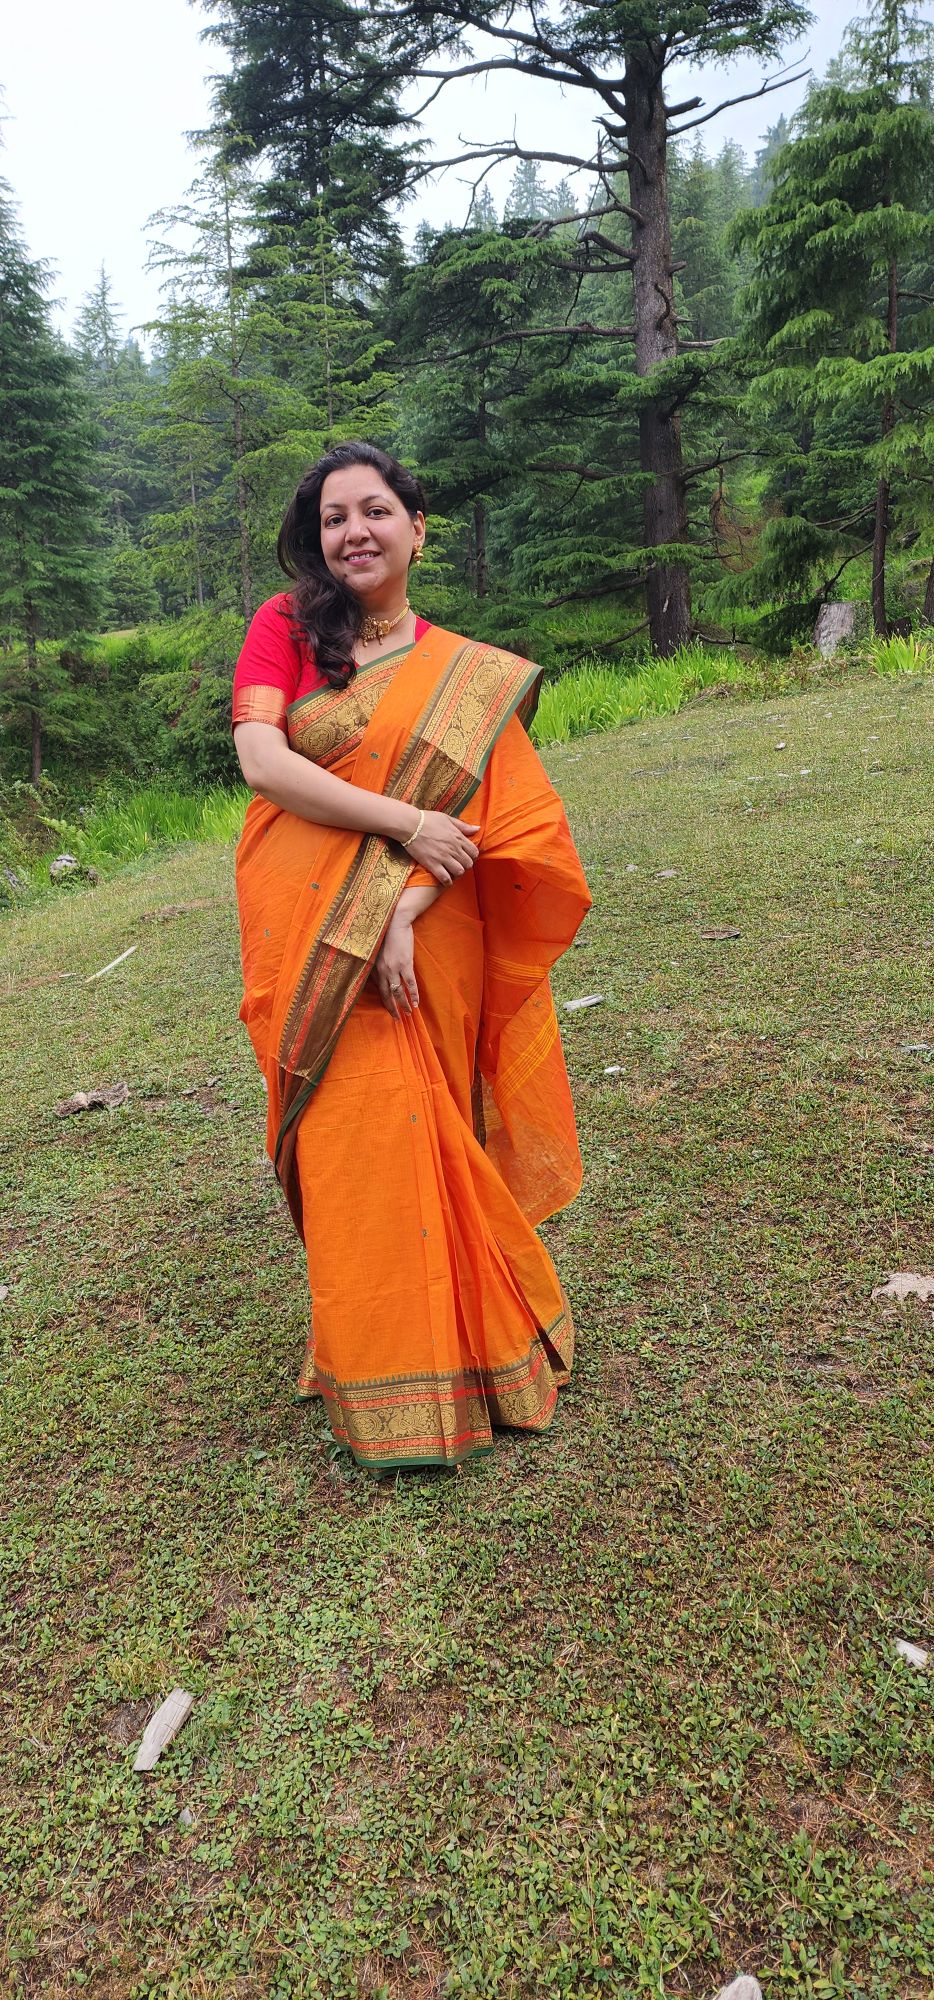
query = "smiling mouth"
x=363 y=556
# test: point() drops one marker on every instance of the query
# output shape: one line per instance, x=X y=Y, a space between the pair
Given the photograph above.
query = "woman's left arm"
x=394 y=971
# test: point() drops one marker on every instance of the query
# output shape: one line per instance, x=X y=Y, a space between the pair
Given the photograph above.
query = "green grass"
x=614 y=1711
x=125 y=828
x=593 y=698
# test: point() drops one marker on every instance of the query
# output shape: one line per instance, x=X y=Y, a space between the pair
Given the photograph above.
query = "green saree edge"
x=461 y=799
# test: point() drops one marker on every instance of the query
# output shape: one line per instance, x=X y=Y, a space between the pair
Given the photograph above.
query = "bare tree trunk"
x=668 y=584
x=880 y=537
x=199 y=580
x=246 y=578
x=35 y=719
x=479 y=535
x=246 y=575
x=479 y=517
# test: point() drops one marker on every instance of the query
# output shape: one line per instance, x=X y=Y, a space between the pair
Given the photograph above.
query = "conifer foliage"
x=841 y=310
x=48 y=574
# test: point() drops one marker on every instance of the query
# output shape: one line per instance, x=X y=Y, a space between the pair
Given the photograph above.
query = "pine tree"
x=309 y=97
x=835 y=306
x=621 y=57
x=121 y=392
x=48 y=581
x=465 y=321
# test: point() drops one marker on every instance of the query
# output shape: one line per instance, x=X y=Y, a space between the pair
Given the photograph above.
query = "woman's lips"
x=363 y=556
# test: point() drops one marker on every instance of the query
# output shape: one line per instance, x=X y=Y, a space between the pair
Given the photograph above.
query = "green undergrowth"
x=115 y=830
x=592 y=698
x=615 y=1710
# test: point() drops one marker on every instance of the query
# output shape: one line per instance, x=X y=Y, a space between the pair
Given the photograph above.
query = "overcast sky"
x=99 y=94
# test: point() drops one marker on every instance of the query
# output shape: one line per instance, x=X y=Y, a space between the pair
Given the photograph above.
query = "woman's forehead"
x=354 y=483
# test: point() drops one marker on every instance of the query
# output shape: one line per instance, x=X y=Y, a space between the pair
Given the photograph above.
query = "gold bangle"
x=414 y=836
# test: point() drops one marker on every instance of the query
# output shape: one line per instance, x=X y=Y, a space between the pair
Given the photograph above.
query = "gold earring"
x=417 y=553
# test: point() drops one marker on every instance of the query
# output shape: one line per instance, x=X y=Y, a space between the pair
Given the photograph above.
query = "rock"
x=162 y=1727
x=107 y=1099
x=741 y=1989
x=906 y=1285
x=65 y=868
x=917 y=1656
x=187 y=1816
x=838 y=623
x=17 y=884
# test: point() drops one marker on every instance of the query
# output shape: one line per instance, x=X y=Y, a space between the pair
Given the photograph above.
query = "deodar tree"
x=48 y=578
x=840 y=324
x=623 y=58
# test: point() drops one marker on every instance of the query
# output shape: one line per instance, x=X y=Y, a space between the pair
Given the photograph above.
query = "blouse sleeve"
x=269 y=668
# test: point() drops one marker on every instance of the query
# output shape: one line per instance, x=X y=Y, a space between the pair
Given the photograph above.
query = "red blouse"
x=277 y=666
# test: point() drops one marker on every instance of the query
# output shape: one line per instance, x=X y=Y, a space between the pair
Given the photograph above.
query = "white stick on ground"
x=109 y=968
x=161 y=1728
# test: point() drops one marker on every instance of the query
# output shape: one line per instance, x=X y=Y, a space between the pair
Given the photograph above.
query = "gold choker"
x=379 y=628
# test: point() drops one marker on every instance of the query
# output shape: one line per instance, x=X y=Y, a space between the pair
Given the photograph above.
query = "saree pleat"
x=419 y=1154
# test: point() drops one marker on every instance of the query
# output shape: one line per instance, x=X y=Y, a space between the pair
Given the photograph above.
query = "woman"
x=396 y=960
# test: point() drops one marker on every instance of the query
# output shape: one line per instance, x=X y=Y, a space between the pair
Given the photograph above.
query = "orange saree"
x=417 y=1155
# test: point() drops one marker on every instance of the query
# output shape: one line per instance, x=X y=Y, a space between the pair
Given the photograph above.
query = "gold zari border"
x=259 y=704
x=429 y=1418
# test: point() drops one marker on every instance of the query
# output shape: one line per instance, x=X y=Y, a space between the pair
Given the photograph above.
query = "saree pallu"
x=417 y=1155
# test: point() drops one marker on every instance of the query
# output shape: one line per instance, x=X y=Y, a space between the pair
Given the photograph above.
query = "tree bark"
x=668 y=584
x=35 y=719
x=246 y=577
x=880 y=621
x=479 y=517
x=196 y=546
x=479 y=552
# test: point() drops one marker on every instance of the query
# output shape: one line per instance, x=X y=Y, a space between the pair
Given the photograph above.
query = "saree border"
x=362 y=674
x=518 y=1396
x=429 y=774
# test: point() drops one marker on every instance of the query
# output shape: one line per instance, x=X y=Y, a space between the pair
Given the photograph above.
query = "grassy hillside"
x=617 y=1710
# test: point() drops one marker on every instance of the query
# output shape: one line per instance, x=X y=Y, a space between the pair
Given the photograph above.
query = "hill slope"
x=613 y=1710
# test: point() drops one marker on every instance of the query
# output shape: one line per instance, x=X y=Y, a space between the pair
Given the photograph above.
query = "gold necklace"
x=379 y=628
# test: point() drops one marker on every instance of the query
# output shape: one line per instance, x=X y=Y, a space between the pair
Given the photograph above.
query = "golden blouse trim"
x=259 y=704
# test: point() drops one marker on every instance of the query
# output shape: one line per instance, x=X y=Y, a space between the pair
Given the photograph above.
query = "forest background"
x=667 y=402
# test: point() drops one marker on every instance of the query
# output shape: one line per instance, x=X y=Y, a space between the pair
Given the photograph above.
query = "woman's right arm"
x=272 y=768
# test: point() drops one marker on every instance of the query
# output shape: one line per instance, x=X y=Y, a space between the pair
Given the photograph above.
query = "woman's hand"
x=444 y=847
x=394 y=971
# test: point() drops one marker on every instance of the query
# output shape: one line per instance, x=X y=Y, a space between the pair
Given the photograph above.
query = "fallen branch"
x=109 y=968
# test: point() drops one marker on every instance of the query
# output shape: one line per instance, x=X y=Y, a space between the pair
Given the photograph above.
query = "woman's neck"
x=401 y=635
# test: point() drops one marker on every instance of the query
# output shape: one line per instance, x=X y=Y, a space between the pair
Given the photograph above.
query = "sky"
x=98 y=96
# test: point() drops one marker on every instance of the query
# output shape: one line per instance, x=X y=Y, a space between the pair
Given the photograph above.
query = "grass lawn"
x=613 y=1711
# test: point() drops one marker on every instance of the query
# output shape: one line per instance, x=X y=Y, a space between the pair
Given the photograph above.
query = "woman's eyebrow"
x=336 y=505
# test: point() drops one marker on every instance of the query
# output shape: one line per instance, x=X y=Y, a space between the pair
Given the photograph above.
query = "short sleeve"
x=269 y=668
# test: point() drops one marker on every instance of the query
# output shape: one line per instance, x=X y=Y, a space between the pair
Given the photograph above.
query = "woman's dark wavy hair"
x=326 y=612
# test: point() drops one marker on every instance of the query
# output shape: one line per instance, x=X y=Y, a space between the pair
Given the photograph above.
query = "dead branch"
x=781 y=82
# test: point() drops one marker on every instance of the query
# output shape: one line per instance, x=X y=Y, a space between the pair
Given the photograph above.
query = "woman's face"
x=368 y=536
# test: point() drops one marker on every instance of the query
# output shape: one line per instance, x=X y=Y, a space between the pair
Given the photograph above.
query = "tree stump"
x=837 y=623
